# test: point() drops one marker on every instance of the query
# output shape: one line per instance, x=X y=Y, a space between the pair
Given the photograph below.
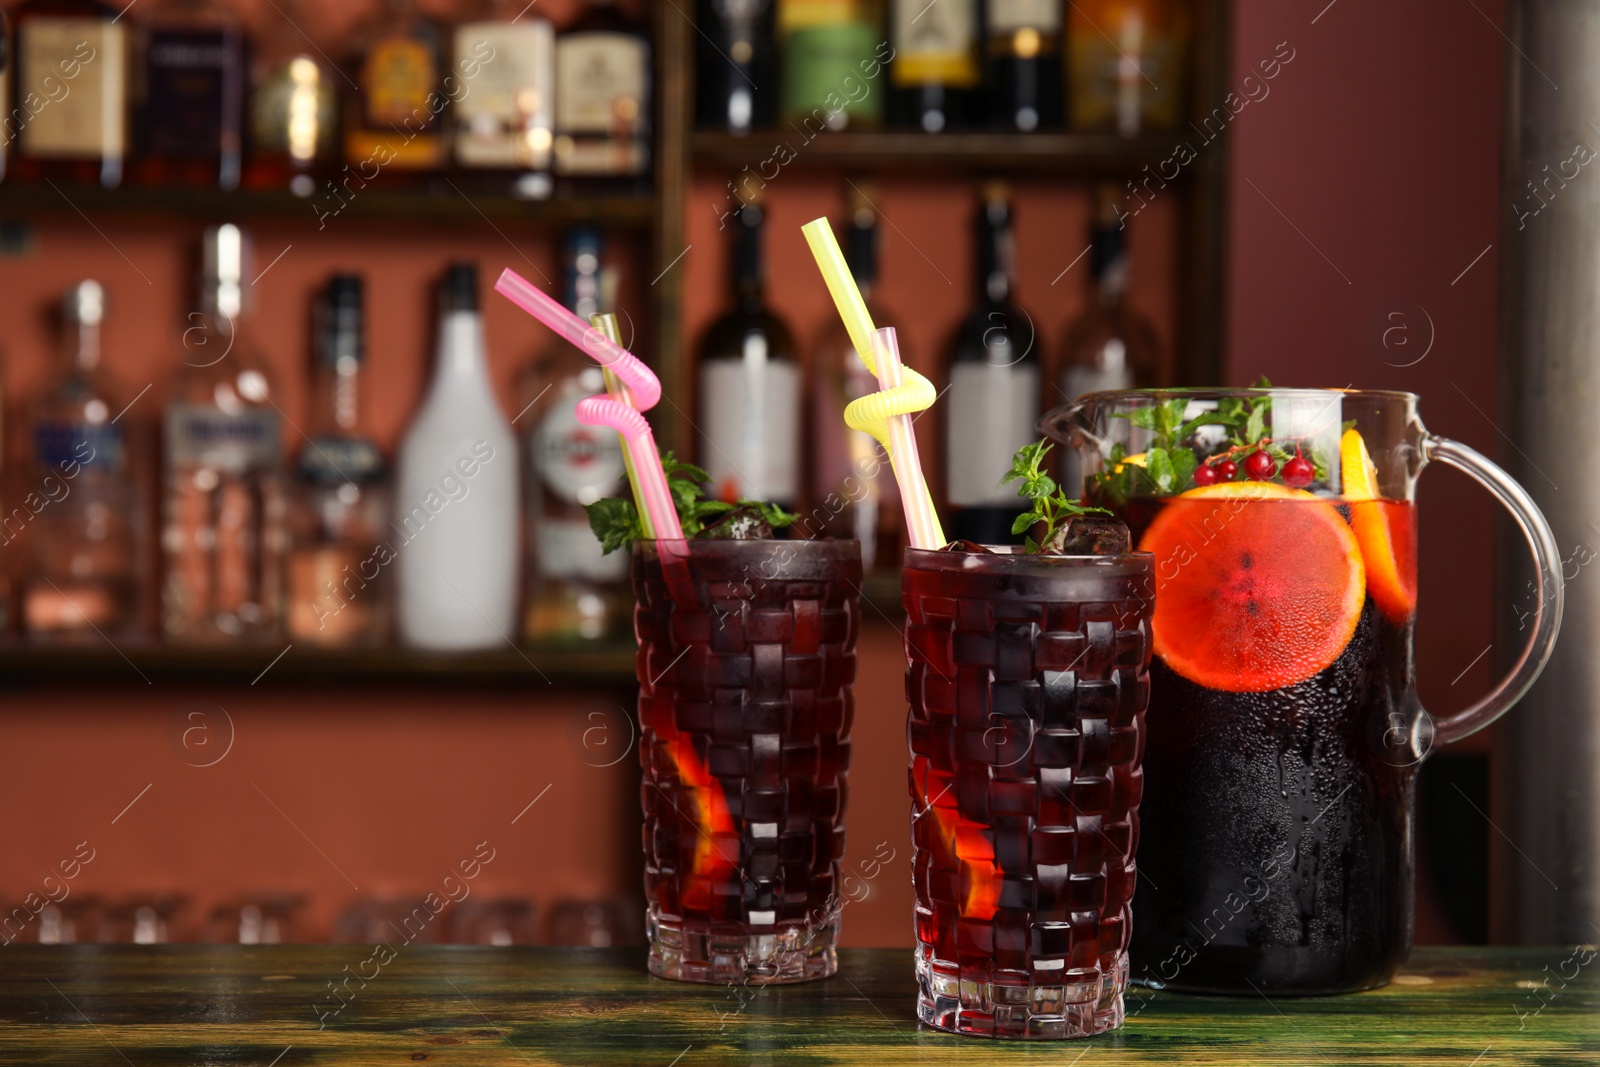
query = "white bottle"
x=455 y=524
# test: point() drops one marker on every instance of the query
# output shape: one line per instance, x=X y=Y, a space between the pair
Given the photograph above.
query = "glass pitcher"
x=1276 y=853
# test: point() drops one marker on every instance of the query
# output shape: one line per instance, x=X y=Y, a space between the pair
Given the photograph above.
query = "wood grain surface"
x=194 y=1005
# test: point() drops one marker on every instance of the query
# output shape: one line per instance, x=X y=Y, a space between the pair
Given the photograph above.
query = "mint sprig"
x=1051 y=505
x=615 y=520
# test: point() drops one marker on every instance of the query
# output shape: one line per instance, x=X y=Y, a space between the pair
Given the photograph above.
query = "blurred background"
x=253 y=743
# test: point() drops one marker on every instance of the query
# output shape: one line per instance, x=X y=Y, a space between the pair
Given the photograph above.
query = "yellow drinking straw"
x=898 y=400
x=606 y=323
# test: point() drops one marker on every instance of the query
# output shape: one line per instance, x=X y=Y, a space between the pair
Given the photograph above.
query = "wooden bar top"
x=130 y=1006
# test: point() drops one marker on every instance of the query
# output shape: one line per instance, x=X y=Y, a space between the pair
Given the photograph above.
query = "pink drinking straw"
x=608 y=410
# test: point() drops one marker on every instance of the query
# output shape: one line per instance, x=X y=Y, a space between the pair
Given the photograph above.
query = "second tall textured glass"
x=746 y=660
x=1028 y=684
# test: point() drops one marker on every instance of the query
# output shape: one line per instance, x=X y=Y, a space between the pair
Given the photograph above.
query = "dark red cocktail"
x=746 y=659
x=1028 y=684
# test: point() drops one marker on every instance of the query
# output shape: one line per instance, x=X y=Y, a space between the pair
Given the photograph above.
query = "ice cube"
x=740 y=524
x=1090 y=535
x=965 y=546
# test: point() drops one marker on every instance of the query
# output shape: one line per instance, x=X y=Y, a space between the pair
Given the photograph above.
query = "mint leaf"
x=1183 y=465
x=1255 y=426
x=1158 y=465
x=1023 y=522
x=615 y=521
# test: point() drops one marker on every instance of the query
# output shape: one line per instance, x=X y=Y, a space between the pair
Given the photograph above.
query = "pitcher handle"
x=1548 y=587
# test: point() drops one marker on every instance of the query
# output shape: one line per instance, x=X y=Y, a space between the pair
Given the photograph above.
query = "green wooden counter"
x=198 y=1005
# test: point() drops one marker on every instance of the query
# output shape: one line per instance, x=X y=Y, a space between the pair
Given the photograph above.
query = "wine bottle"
x=853 y=491
x=1023 y=69
x=294 y=107
x=749 y=410
x=83 y=558
x=830 y=49
x=577 y=593
x=190 y=100
x=1129 y=65
x=504 y=126
x=455 y=519
x=993 y=399
x=935 y=73
x=223 y=535
x=339 y=513
x=72 y=63
x=736 y=65
x=395 y=121
x=603 y=95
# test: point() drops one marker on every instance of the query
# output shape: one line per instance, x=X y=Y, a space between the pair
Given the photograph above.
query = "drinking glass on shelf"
x=257 y=919
x=502 y=921
x=143 y=919
x=591 y=923
x=392 y=921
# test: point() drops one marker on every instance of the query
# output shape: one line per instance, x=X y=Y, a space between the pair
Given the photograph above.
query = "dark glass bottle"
x=189 y=96
x=1023 y=71
x=853 y=490
x=395 y=122
x=6 y=133
x=339 y=510
x=294 y=107
x=749 y=410
x=603 y=95
x=833 y=53
x=81 y=134
x=736 y=65
x=935 y=74
x=993 y=399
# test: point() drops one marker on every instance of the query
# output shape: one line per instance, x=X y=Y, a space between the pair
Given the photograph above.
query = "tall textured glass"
x=1028 y=682
x=746 y=660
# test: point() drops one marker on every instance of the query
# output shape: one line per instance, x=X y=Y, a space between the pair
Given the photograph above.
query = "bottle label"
x=399 y=75
x=1109 y=88
x=936 y=43
x=750 y=415
x=295 y=111
x=505 y=121
x=58 y=446
x=194 y=93
x=823 y=72
x=72 y=80
x=992 y=409
x=578 y=464
x=602 y=84
x=200 y=435
x=1008 y=16
x=1076 y=381
x=567 y=548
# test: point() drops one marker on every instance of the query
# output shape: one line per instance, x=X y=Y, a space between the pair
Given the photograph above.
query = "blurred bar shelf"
x=609 y=665
x=908 y=150
x=440 y=205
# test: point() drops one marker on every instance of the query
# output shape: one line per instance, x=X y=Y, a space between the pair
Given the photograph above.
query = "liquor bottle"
x=455 y=517
x=603 y=94
x=853 y=491
x=223 y=533
x=504 y=126
x=189 y=96
x=1109 y=345
x=72 y=64
x=749 y=411
x=935 y=73
x=736 y=65
x=340 y=508
x=6 y=121
x=82 y=540
x=993 y=399
x=394 y=121
x=1023 y=74
x=1128 y=65
x=294 y=107
x=832 y=64
x=576 y=592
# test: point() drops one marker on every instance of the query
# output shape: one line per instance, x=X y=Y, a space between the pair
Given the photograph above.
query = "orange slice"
x=711 y=816
x=1258 y=586
x=1385 y=529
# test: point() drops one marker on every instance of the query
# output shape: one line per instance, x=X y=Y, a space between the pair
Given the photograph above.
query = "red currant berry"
x=1298 y=472
x=1226 y=470
x=1205 y=474
x=1259 y=465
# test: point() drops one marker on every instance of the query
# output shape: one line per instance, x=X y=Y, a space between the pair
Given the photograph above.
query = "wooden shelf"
x=531 y=667
x=440 y=204
x=887 y=151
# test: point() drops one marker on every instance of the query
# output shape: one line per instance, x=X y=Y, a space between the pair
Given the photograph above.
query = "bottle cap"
x=458 y=289
x=85 y=303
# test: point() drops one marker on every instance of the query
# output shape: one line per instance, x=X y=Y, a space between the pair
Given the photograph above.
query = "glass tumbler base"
x=1042 y=1005
x=691 y=950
